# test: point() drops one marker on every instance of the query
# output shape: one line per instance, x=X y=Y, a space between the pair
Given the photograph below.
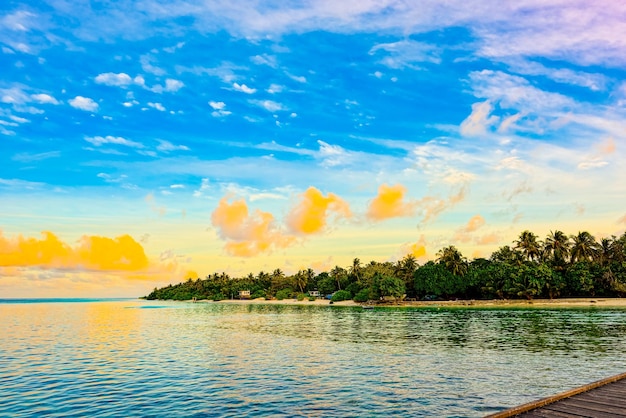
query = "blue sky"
x=213 y=133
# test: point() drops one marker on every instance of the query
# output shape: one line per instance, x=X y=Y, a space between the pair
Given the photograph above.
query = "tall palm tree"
x=557 y=247
x=300 y=280
x=606 y=250
x=309 y=274
x=339 y=274
x=406 y=270
x=453 y=260
x=584 y=247
x=528 y=245
x=277 y=279
x=355 y=269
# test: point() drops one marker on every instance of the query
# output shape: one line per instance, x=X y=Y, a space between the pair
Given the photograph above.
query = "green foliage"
x=341 y=295
x=284 y=294
x=562 y=265
x=362 y=296
x=579 y=280
x=326 y=284
x=434 y=279
x=311 y=299
x=385 y=285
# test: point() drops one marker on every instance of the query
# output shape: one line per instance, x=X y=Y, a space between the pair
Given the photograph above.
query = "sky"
x=143 y=142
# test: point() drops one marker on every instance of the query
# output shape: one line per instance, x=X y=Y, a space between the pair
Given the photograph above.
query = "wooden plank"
x=568 y=394
x=604 y=397
x=542 y=413
x=593 y=406
x=600 y=400
x=576 y=411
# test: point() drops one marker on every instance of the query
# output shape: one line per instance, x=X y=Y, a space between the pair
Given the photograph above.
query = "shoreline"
x=492 y=303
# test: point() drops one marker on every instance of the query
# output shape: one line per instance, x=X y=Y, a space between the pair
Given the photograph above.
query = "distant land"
x=560 y=266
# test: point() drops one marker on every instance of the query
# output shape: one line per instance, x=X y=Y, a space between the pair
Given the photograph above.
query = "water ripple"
x=118 y=358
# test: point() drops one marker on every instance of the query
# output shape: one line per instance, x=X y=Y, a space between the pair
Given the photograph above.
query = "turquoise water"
x=141 y=358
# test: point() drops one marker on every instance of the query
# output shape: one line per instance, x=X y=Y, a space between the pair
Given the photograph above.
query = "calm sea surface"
x=139 y=358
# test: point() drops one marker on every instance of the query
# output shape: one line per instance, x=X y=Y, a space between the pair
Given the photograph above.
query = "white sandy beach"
x=495 y=303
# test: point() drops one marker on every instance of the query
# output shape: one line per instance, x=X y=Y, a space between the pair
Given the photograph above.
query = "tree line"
x=559 y=266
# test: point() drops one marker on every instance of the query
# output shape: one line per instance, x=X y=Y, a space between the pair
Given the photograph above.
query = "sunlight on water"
x=139 y=358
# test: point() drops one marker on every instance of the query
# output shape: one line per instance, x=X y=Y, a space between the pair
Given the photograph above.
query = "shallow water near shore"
x=142 y=358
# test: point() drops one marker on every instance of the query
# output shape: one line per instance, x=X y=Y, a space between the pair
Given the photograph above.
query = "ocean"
x=136 y=358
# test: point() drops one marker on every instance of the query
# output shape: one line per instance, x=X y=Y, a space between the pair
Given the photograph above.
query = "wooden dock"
x=602 y=399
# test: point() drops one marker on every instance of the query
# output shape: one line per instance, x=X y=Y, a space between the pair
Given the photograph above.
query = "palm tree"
x=606 y=250
x=453 y=260
x=355 y=269
x=584 y=247
x=557 y=246
x=506 y=255
x=528 y=245
x=300 y=280
x=309 y=274
x=339 y=274
x=406 y=270
x=277 y=279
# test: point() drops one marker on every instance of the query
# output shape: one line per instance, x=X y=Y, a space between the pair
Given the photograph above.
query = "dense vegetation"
x=559 y=266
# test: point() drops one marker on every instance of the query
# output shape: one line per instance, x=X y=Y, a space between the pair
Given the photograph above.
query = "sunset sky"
x=143 y=140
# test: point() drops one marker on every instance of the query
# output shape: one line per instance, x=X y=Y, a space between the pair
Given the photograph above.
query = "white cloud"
x=130 y=103
x=20 y=21
x=298 y=78
x=217 y=105
x=219 y=109
x=113 y=79
x=13 y=95
x=166 y=146
x=516 y=92
x=332 y=155
x=84 y=103
x=264 y=59
x=592 y=163
x=115 y=140
x=406 y=53
x=243 y=88
x=204 y=186
x=146 y=64
x=479 y=120
x=172 y=85
x=18 y=119
x=275 y=88
x=25 y=157
x=269 y=105
x=592 y=81
x=157 y=106
x=44 y=98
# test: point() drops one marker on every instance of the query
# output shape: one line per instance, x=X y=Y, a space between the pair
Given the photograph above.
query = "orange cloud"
x=608 y=146
x=150 y=200
x=431 y=207
x=417 y=249
x=474 y=223
x=247 y=235
x=464 y=234
x=309 y=216
x=92 y=253
x=488 y=239
x=389 y=203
